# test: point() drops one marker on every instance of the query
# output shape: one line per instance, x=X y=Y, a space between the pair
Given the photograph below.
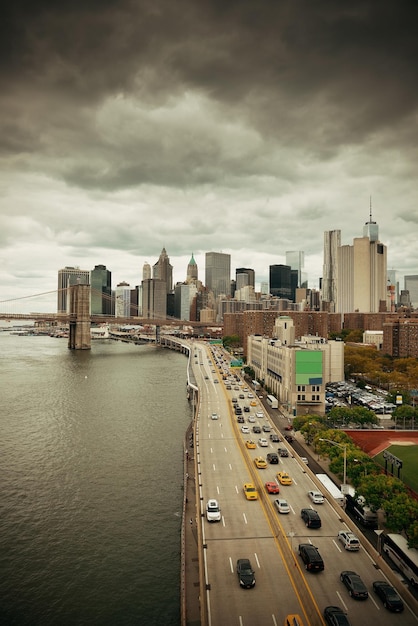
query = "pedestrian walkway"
x=190 y=557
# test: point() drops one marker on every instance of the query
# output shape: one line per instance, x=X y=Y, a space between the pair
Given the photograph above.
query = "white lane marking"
x=342 y=601
x=336 y=545
x=245 y=518
x=230 y=466
x=273 y=617
x=256 y=558
x=231 y=565
x=214 y=467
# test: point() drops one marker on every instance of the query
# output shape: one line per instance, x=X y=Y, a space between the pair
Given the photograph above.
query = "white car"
x=263 y=442
x=214 y=416
x=250 y=395
x=259 y=414
x=316 y=496
x=213 y=511
x=304 y=460
x=251 y=419
x=349 y=540
x=282 y=506
x=245 y=430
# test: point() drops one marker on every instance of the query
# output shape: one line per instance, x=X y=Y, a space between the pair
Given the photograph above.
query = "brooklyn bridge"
x=78 y=318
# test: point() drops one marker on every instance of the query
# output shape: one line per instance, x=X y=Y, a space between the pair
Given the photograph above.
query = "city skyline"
x=237 y=128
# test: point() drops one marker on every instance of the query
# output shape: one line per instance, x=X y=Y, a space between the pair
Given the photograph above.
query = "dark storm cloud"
x=312 y=76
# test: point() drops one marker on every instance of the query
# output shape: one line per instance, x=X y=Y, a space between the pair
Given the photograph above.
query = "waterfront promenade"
x=190 y=600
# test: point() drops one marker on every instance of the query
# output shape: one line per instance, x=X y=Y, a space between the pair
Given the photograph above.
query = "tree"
x=379 y=488
x=361 y=415
x=401 y=512
x=412 y=535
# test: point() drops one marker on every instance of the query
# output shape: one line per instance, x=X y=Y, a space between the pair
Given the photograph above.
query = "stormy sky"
x=243 y=126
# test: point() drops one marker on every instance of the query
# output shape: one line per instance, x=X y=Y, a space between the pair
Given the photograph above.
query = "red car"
x=272 y=487
x=288 y=427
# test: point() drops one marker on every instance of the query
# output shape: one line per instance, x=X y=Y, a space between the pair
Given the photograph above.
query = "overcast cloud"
x=242 y=126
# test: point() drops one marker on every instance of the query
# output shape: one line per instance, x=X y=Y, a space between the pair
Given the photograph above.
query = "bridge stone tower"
x=79 y=337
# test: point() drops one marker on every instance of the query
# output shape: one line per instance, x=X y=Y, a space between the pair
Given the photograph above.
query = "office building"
x=281 y=281
x=362 y=273
x=163 y=270
x=192 y=271
x=296 y=372
x=101 y=291
x=296 y=261
x=332 y=243
x=123 y=300
x=184 y=296
x=411 y=285
x=218 y=273
x=154 y=298
x=67 y=277
x=146 y=271
x=244 y=276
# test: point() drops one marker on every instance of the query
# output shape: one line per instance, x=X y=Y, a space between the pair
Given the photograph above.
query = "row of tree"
x=381 y=491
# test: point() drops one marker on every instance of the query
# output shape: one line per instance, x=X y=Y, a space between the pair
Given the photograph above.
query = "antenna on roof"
x=371 y=209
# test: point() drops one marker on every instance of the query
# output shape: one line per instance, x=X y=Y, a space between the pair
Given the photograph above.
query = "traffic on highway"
x=275 y=549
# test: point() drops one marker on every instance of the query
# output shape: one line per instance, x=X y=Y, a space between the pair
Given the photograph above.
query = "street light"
x=344 y=447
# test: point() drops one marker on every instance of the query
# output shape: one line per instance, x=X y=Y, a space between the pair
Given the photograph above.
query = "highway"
x=254 y=529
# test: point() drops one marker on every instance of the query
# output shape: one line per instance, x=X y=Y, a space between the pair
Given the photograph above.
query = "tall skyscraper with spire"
x=362 y=273
x=192 y=272
x=163 y=270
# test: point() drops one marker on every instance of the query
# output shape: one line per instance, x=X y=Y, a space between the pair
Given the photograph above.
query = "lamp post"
x=344 y=447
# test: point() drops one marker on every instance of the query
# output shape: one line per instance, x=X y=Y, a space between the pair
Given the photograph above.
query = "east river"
x=91 y=454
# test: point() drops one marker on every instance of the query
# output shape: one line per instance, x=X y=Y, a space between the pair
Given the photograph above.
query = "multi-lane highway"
x=255 y=530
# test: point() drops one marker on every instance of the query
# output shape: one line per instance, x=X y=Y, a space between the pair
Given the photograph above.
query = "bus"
x=273 y=402
x=332 y=488
x=405 y=559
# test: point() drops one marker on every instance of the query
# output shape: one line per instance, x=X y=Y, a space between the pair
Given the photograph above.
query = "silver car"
x=316 y=496
x=282 y=505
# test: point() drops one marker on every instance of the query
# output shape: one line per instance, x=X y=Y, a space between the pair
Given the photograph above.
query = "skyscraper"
x=218 y=273
x=154 y=299
x=192 y=272
x=296 y=261
x=146 y=271
x=362 y=274
x=101 y=290
x=332 y=243
x=411 y=285
x=281 y=281
x=66 y=277
x=163 y=270
x=244 y=276
x=123 y=300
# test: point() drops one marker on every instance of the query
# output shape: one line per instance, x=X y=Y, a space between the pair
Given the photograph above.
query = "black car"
x=356 y=587
x=289 y=438
x=311 y=518
x=256 y=429
x=274 y=437
x=334 y=616
x=283 y=452
x=272 y=458
x=245 y=573
x=247 y=409
x=311 y=557
x=388 y=595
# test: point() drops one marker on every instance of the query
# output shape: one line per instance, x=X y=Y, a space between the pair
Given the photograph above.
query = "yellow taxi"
x=251 y=445
x=253 y=403
x=250 y=491
x=284 y=478
x=260 y=462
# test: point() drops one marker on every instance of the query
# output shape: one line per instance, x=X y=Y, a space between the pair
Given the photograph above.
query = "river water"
x=91 y=462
